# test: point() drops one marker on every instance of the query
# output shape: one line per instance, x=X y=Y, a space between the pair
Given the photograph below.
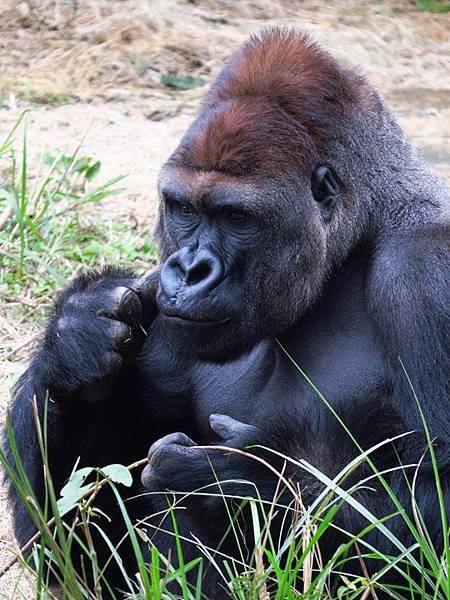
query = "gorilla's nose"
x=191 y=273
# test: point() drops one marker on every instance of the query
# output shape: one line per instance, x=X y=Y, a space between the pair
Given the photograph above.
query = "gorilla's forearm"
x=96 y=434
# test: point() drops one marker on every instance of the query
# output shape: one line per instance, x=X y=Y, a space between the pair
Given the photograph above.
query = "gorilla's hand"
x=169 y=456
x=99 y=325
x=177 y=463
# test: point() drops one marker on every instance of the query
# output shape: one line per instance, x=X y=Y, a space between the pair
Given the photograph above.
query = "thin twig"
x=22 y=345
x=287 y=483
x=365 y=572
x=139 y=463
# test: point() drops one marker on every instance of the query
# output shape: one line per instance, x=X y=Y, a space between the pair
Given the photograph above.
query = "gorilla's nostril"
x=198 y=273
x=177 y=270
x=185 y=275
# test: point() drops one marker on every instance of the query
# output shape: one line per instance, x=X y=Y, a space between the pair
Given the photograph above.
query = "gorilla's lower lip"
x=177 y=317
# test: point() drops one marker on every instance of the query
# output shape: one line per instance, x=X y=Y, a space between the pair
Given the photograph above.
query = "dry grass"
x=114 y=48
x=106 y=48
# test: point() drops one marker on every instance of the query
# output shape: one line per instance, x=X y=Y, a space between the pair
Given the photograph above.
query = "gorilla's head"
x=249 y=204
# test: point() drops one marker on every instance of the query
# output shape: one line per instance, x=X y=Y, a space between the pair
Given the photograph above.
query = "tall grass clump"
x=51 y=222
x=276 y=566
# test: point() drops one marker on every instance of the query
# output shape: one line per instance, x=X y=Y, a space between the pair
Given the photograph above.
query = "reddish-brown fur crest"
x=245 y=136
x=278 y=97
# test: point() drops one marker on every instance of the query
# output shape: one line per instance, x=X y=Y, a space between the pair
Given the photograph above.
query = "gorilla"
x=303 y=248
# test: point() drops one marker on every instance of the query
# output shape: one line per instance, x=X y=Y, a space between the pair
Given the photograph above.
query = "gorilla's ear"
x=325 y=190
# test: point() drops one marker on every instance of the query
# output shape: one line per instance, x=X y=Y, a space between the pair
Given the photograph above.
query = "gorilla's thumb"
x=146 y=289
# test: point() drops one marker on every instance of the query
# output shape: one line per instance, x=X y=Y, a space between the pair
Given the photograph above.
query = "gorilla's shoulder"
x=410 y=268
x=408 y=292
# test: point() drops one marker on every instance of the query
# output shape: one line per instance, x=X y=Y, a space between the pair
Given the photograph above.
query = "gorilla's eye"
x=186 y=210
x=233 y=215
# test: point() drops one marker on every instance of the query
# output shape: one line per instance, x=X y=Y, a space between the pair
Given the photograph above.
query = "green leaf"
x=92 y=171
x=118 y=474
x=67 y=161
x=81 y=164
x=180 y=82
x=74 y=490
x=48 y=159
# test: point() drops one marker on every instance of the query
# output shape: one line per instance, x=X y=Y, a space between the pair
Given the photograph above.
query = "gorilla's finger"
x=146 y=289
x=147 y=286
x=173 y=439
x=228 y=428
x=130 y=309
x=172 y=456
x=149 y=477
x=70 y=325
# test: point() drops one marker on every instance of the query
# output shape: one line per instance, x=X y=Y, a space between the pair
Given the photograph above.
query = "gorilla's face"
x=242 y=260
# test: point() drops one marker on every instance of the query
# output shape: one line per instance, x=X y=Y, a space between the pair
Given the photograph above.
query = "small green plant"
x=435 y=6
x=52 y=223
x=45 y=97
x=182 y=82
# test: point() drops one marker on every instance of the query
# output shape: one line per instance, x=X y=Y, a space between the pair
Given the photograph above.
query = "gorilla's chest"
x=343 y=362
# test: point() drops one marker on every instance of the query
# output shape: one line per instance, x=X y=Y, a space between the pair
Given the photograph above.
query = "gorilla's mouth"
x=177 y=317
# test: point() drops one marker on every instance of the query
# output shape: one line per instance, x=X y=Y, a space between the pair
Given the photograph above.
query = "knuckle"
x=148 y=476
x=63 y=324
x=118 y=293
x=120 y=303
x=113 y=300
x=164 y=453
x=112 y=362
x=184 y=440
x=130 y=306
x=154 y=447
x=157 y=455
x=174 y=443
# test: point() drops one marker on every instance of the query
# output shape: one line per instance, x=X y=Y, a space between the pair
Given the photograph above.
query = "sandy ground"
x=103 y=65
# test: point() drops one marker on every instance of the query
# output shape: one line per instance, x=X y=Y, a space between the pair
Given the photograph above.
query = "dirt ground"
x=92 y=71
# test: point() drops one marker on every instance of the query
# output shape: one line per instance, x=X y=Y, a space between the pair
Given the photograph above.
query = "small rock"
x=12 y=102
x=24 y=10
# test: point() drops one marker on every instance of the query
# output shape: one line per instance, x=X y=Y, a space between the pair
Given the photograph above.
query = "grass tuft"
x=54 y=219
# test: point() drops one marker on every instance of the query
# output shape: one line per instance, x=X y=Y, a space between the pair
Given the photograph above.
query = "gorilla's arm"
x=85 y=376
x=408 y=298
